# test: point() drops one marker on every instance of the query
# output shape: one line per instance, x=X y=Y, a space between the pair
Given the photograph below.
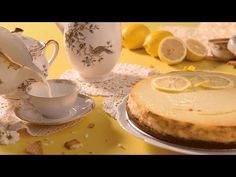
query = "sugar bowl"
x=219 y=49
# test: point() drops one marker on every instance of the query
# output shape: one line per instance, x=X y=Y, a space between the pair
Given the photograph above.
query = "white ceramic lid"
x=15 y=49
x=31 y=43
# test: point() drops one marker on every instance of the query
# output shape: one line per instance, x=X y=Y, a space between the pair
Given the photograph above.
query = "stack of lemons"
x=162 y=44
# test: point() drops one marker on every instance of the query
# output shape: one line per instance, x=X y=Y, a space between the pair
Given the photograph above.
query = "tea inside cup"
x=57 y=104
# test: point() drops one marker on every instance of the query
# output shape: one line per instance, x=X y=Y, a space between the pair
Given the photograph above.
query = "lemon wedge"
x=171 y=83
x=153 y=40
x=134 y=35
x=196 y=51
x=172 y=50
x=189 y=68
x=217 y=82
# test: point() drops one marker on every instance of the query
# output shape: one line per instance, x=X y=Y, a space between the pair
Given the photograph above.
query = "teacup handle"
x=55 y=52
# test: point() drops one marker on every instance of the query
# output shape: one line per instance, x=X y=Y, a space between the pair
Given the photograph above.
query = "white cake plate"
x=127 y=125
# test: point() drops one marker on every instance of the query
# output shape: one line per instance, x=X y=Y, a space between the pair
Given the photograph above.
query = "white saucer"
x=127 y=125
x=82 y=106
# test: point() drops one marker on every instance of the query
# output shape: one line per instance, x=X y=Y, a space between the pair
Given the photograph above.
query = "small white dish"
x=232 y=45
x=82 y=106
x=219 y=49
x=127 y=125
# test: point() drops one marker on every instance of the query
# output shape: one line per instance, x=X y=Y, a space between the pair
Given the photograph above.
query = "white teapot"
x=93 y=48
x=16 y=51
x=37 y=50
x=13 y=77
x=17 y=69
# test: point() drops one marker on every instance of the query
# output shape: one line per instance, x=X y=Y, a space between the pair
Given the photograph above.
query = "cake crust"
x=179 y=141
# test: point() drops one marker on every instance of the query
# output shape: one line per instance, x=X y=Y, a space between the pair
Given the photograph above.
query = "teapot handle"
x=60 y=26
x=55 y=51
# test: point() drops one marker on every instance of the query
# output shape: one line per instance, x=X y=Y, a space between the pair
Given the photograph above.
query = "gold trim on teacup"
x=70 y=82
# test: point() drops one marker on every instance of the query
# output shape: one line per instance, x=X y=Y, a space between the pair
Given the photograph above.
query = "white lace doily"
x=124 y=76
x=11 y=122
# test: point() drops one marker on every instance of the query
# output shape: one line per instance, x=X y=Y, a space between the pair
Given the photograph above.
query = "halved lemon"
x=153 y=40
x=172 y=50
x=171 y=83
x=217 y=82
x=196 y=51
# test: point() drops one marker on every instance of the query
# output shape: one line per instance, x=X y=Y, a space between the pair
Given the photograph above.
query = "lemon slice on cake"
x=196 y=51
x=217 y=82
x=196 y=80
x=172 y=50
x=171 y=83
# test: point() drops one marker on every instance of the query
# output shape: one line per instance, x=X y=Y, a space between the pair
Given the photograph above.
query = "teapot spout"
x=60 y=26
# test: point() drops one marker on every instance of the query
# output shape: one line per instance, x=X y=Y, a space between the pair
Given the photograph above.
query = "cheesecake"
x=194 y=109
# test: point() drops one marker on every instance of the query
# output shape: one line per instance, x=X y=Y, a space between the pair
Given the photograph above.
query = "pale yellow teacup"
x=64 y=96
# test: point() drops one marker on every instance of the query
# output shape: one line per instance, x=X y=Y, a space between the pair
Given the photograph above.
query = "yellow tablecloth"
x=106 y=136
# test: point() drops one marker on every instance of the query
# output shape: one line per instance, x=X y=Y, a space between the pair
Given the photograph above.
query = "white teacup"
x=64 y=96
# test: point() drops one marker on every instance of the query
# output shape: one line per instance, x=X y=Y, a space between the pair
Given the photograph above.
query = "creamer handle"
x=55 y=51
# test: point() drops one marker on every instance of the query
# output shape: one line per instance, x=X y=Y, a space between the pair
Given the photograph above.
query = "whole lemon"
x=134 y=35
x=152 y=41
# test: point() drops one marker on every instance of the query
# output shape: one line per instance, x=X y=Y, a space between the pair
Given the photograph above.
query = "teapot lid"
x=31 y=43
x=14 y=48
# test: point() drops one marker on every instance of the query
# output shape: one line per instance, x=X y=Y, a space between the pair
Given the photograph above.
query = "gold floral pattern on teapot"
x=75 y=36
x=37 y=50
